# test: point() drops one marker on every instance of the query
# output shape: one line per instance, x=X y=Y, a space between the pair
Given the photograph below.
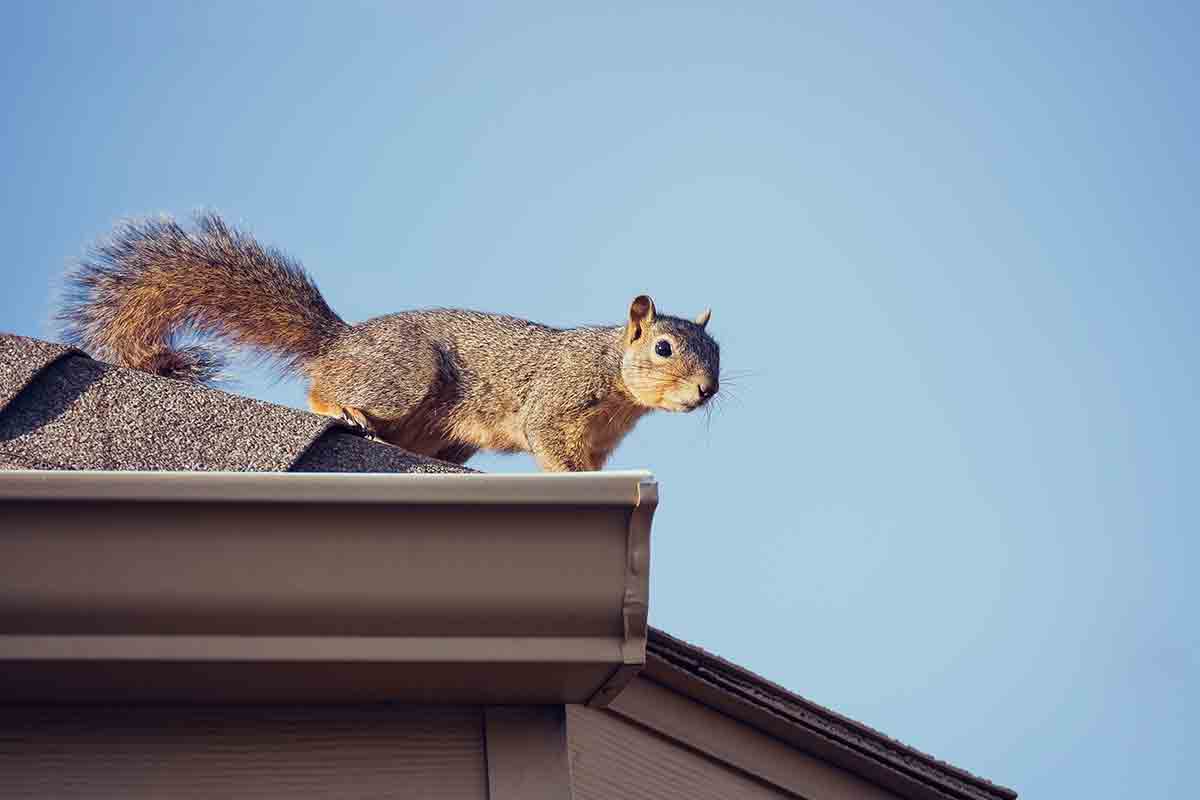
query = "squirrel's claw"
x=359 y=423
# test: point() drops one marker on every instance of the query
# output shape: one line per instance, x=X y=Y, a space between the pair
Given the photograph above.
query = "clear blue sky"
x=956 y=497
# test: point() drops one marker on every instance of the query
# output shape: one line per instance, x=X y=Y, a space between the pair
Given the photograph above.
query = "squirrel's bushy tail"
x=134 y=296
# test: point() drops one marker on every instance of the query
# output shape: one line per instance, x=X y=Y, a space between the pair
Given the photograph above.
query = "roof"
x=769 y=707
x=59 y=409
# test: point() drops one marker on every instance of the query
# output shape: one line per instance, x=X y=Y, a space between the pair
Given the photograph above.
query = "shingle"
x=12 y=462
x=62 y=410
x=21 y=359
x=340 y=451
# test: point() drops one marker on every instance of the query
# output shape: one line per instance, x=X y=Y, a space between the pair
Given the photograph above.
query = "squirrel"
x=444 y=383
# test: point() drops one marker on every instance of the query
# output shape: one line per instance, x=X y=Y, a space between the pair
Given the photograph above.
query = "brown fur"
x=441 y=382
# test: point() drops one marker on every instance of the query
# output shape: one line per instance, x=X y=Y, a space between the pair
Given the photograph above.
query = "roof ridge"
x=63 y=409
x=17 y=373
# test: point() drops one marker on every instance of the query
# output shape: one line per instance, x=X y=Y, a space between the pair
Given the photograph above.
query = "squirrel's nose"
x=706 y=389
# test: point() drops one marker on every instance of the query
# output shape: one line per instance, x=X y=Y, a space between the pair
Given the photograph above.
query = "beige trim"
x=448 y=588
x=615 y=759
x=413 y=649
x=527 y=753
x=849 y=755
x=723 y=738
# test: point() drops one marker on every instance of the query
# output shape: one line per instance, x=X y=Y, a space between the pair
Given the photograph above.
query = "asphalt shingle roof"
x=60 y=409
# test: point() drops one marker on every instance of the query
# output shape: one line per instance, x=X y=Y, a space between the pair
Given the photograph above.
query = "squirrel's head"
x=669 y=362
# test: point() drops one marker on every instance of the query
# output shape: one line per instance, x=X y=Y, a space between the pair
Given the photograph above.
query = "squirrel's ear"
x=704 y=317
x=641 y=314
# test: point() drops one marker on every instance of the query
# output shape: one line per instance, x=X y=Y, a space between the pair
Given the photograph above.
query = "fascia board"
x=870 y=756
x=279 y=587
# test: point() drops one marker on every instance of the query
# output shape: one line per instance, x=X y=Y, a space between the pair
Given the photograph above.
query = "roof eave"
x=757 y=702
x=277 y=587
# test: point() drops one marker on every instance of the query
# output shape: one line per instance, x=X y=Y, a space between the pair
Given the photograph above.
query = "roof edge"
x=282 y=587
x=765 y=705
x=476 y=489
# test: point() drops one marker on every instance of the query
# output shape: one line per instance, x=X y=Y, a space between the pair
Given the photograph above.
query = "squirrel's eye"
x=663 y=348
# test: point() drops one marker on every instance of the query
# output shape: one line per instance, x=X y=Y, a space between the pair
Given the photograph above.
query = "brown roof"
x=60 y=409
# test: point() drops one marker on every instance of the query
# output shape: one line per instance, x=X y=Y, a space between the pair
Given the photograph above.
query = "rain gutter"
x=282 y=587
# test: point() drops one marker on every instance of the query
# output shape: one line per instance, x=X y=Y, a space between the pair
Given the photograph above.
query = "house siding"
x=404 y=752
x=613 y=758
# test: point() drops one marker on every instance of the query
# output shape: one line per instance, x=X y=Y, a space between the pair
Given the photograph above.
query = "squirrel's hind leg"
x=319 y=405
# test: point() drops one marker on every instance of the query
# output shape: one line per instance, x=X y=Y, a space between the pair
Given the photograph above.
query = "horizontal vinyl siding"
x=613 y=759
x=405 y=752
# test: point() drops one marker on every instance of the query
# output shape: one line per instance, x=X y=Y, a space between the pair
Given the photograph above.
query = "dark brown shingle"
x=60 y=409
